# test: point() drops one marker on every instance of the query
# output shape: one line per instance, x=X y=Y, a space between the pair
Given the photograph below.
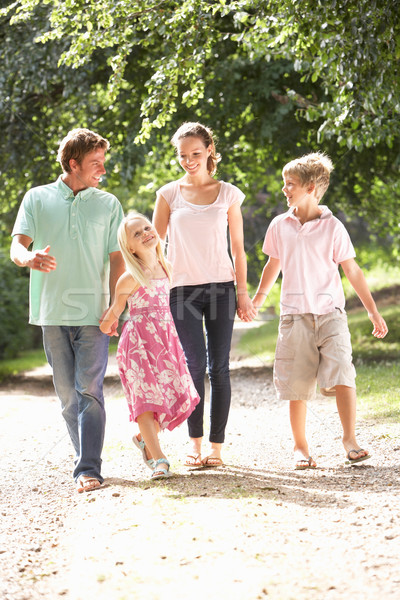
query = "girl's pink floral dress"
x=151 y=361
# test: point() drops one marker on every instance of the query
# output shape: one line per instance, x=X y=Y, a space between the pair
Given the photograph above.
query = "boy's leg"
x=298 y=413
x=346 y=405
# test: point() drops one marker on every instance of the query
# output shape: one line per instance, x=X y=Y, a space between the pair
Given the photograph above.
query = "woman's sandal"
x=161 y=473
x=149 y=462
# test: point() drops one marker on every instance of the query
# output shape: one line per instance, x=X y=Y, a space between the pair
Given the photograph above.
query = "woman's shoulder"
x=169 y=190
x=230 y=193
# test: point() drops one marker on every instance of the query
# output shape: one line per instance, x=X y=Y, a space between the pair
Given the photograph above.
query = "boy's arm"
x=269 y=276
x=356 y=277
x=124 y=288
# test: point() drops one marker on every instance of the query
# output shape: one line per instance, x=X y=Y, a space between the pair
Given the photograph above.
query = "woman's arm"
x=126 y=285
x=161 y=217
x=246 y=309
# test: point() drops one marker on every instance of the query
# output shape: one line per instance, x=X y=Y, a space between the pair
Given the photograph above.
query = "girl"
x=152 y=367
x=195 y=211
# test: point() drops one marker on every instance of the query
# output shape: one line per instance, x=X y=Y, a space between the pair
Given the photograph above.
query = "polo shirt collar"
x=68 y=194
x=326 y=213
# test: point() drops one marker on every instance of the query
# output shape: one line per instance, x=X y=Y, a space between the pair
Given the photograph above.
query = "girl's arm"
x=269 y=276
x=357 y=280
x=246 y=309
x=126 y=285
x=161 y=217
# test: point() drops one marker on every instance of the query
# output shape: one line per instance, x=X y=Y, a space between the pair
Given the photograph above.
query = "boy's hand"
x=246 y=311
x=380 y=327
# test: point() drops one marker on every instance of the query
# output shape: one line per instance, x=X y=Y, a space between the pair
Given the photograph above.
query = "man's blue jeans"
x=78 y=357
x=215 y=303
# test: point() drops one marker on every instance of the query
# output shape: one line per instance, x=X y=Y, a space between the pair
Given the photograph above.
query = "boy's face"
x=296 y=193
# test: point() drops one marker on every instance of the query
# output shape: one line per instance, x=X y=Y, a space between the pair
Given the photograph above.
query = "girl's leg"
x=298 y=413
x=149 y=430
x=187 y=310
x=346 y=400
x=219 y=318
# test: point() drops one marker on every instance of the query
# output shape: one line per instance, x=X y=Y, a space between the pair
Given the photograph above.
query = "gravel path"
x=253 y=529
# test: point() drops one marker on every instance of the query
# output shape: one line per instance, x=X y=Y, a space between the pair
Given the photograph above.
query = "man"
x=75 y=263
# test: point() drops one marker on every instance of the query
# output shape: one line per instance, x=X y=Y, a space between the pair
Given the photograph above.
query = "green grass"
x=31 y=359
x=376 y=360
x=27 y=361
x=378 y=391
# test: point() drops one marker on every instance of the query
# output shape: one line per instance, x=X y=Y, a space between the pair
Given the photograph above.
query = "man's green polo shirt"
x=81 y=231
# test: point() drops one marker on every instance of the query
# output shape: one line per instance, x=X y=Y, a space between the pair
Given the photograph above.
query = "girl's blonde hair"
x=315 y=168
x=206 y=135
x=133 y=264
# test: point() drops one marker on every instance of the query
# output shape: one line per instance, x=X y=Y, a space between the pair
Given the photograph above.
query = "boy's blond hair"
x=311 y=168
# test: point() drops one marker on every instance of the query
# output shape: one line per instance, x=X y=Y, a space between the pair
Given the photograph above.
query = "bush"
x=16 y=333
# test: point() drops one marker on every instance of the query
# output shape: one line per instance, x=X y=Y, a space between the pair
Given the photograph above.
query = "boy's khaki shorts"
x=310 y=349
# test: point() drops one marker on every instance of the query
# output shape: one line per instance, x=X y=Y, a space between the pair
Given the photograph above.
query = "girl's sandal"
x=161 y=473
x=149 y=462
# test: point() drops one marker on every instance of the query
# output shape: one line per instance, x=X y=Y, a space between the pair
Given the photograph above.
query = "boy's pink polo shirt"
x=310 y=255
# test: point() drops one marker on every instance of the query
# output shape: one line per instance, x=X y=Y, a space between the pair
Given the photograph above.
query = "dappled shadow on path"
x=326 y=487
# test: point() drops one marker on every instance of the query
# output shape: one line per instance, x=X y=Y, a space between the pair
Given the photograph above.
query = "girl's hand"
x=108 y=327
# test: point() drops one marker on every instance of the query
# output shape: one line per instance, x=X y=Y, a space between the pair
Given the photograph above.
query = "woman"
x=195 y=212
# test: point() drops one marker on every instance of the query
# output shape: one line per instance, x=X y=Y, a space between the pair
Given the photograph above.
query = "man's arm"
x=117 y=268
x=39 y=260
x=357 y=280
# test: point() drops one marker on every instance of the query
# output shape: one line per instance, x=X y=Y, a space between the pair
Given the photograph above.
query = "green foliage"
x=16 y=334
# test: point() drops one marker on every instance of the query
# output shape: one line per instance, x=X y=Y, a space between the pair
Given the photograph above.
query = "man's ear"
x=73 y=164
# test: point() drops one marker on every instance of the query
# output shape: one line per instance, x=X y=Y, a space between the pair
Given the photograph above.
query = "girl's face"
x=193 y=155
x=141 y=235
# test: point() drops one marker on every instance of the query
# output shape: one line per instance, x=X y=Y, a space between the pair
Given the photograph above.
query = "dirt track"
x=254 y=529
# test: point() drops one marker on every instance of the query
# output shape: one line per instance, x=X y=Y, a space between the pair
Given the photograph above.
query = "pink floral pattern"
x=151 y=361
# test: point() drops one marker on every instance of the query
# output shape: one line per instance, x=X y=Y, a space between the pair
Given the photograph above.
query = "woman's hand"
x=245 y=309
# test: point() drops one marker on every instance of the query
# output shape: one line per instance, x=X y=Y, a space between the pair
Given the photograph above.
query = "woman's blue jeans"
x=215 y=304
x=78 y=357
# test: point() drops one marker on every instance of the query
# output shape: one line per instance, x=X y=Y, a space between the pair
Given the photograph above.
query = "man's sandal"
x=84 y=483
x=161 y=473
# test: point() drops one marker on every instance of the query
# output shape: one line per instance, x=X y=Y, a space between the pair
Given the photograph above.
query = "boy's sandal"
x=305 y=463
x=159 y=473
x=140 y=445
x=351 y=461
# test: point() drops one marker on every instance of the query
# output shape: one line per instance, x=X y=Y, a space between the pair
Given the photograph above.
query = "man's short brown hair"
x=76 y=144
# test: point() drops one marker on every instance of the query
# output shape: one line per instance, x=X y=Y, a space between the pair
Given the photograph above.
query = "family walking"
x=88 y=263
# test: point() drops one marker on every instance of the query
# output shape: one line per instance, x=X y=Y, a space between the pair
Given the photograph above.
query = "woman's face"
x=193 y=155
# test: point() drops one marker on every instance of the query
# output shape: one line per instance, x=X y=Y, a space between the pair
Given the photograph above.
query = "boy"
x=308 y=244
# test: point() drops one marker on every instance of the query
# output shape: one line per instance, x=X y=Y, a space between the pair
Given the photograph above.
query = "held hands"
x=246 y=311
x=380 y=328
x=41 y=260
x=108 y=327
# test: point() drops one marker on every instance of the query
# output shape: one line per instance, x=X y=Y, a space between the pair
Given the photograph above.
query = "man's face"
x=88 y=173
